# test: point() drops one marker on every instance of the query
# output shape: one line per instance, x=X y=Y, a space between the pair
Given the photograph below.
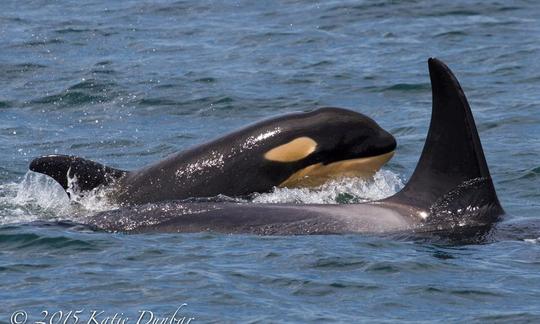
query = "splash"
x=35 y=197
x=42 y=191
x=95 y=200
x=347 y=190
x=39 y=197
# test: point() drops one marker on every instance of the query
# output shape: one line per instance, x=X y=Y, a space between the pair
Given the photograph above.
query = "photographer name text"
x=83 y=316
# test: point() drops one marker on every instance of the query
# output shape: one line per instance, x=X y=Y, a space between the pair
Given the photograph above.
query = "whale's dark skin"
x=450 y=191
x=256 y=158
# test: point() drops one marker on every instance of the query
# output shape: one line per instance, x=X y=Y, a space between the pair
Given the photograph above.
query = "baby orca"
x=296 y=149
x=450 y=191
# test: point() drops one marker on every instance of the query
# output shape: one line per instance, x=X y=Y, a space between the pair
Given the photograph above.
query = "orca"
x=297 y=149
x=450 y=191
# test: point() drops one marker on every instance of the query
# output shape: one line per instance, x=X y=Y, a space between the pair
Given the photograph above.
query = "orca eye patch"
x=294 y=150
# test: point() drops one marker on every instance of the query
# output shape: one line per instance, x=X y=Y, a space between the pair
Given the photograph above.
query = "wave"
x=88 y=91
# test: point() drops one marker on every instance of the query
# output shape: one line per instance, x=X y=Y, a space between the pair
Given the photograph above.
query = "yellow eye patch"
x=295 y=150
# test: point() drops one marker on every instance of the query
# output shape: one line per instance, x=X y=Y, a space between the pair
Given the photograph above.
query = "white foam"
x=534 y=241
x=347 y=190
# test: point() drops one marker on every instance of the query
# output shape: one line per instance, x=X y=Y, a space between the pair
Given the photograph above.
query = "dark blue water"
x=128 y=82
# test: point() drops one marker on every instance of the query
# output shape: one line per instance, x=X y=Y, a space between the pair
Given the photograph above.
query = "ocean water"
x=128 y=82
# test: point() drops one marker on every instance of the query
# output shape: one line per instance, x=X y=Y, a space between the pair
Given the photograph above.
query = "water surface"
x=128 y=82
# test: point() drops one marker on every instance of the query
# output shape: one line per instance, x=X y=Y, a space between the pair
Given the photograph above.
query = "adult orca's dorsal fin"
x=62 y=168
x=452 y=156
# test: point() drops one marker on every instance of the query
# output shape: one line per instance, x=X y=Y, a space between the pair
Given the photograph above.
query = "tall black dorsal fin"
x=89 y=174
x=452 y=155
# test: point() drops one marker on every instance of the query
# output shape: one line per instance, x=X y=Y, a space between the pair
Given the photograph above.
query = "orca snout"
x=363 y=136
x=387 y=142
x=378 y=143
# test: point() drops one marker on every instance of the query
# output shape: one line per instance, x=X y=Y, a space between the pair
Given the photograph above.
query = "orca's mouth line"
x=319 y=173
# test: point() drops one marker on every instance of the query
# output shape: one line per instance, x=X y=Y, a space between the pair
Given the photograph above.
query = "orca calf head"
x=307 y=149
